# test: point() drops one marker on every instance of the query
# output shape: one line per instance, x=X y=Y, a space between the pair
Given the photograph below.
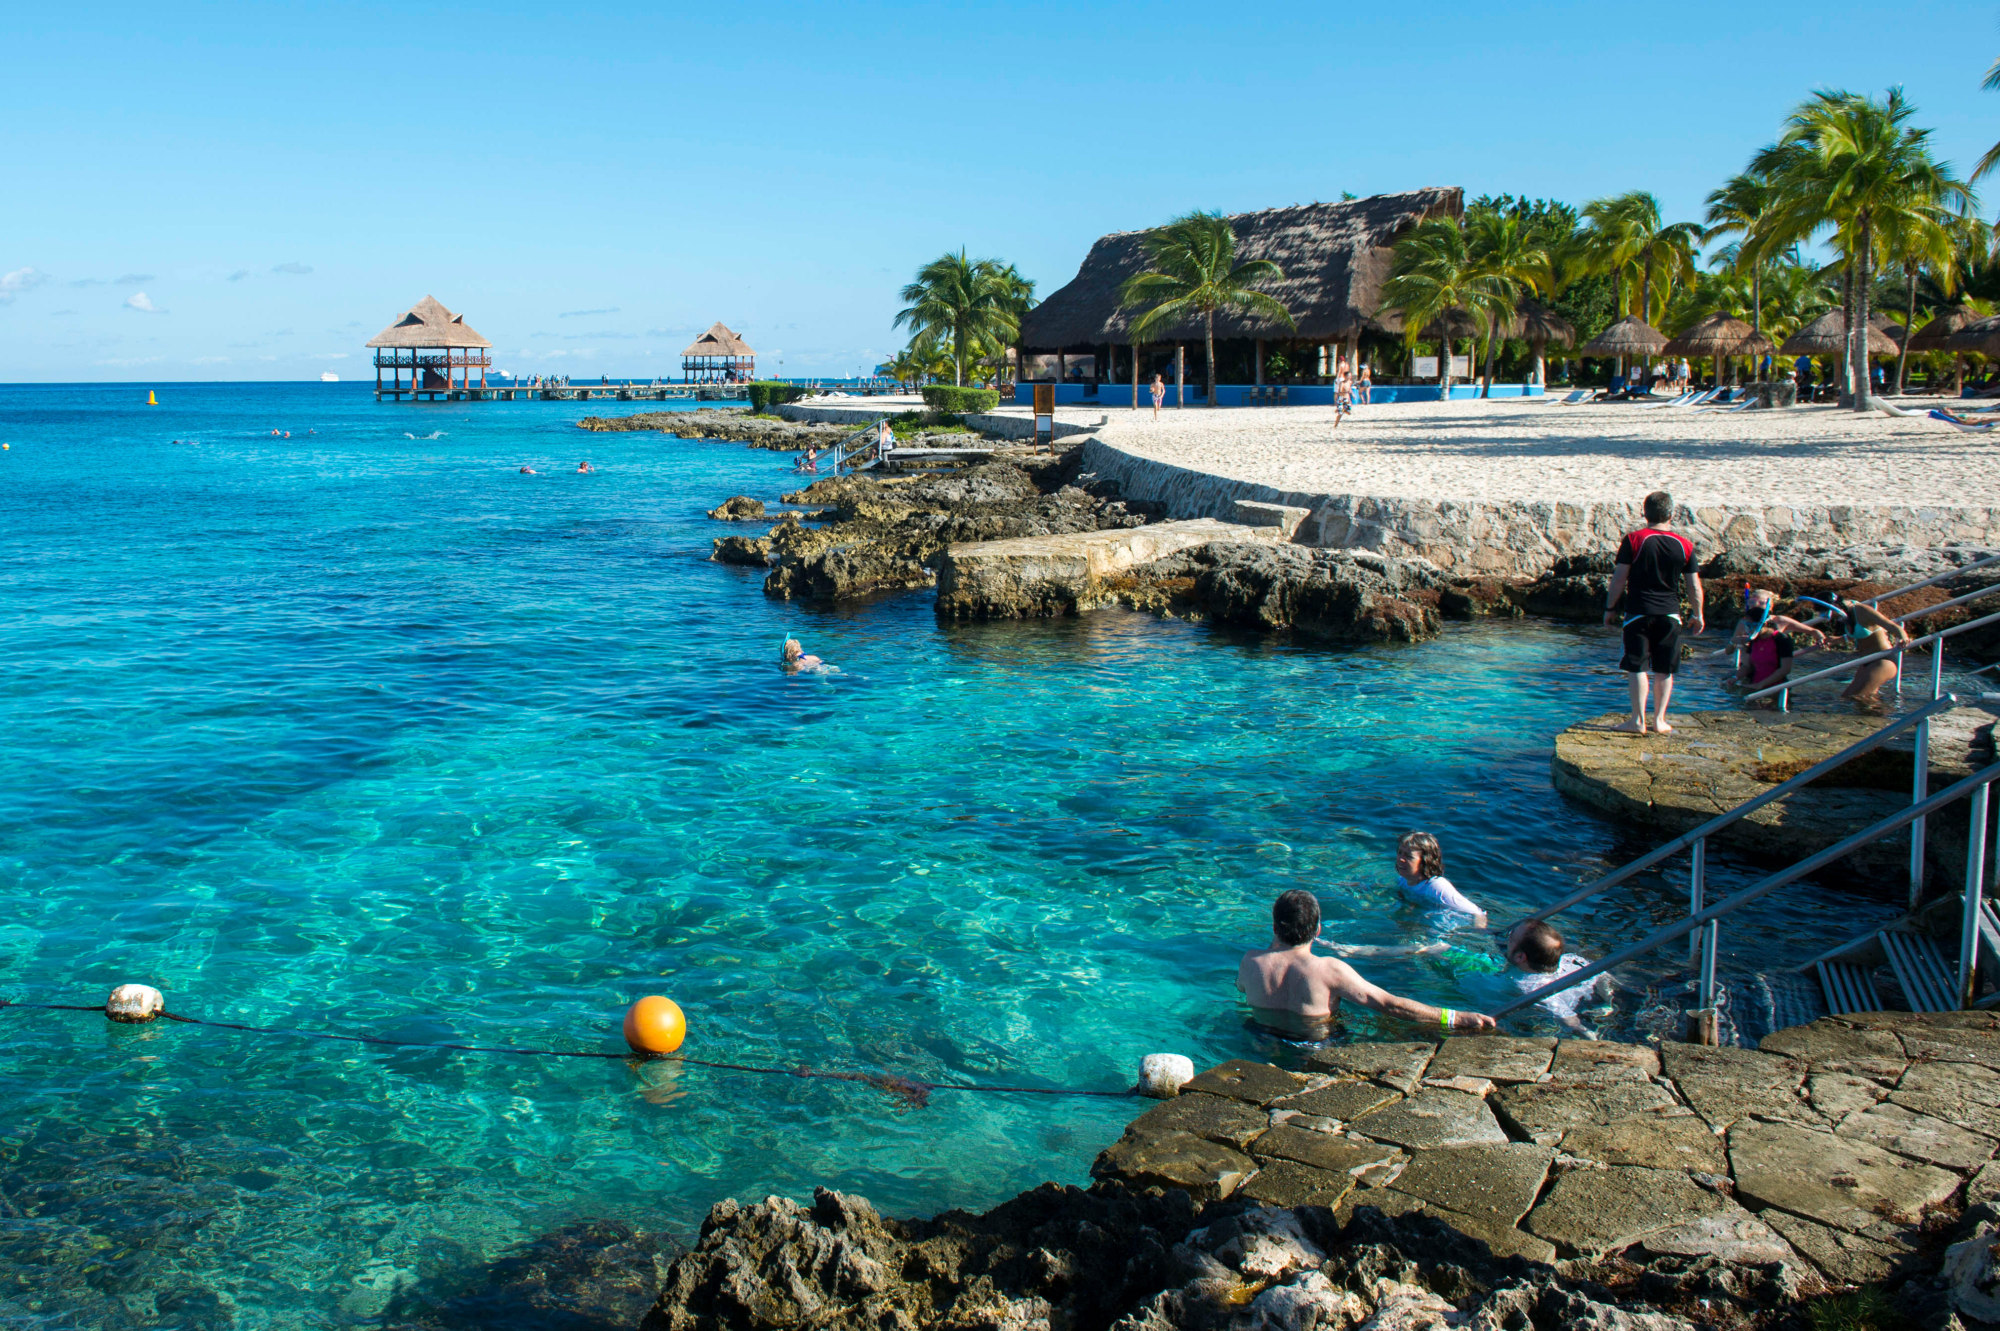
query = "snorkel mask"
x=1757 y=607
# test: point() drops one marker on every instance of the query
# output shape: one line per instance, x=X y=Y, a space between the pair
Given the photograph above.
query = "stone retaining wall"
x=1513 y=538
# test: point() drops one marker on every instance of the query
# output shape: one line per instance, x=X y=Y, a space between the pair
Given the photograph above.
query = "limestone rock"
x=1344 y=1100
x=1498 y=1058
x=1835 y=1180
x=1397 y=1065
x=1594 y=1211
x=1724 y=1084
x=1658 y=1143
x=1733 y=1235
x=1544 y=1112
x=1967 y=1094
x=1573 y=1056
x=1493 y=1183
x=1918 y=1136
x=1252 y=1083
x=1835 y=1095
x=1848 y=1259
x=1322 y=1150
x=1201 y=1168
x=1972 y=1273
x=1219 y=1118
x=1834 y=1046
x=748 y=551
x=1161 y=1076
x=1432 y=1118
x=741 y=508
x=1289 y=1183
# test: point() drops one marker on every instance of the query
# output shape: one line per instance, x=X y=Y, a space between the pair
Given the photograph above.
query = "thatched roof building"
x=1937 y=334
x=429 y=324
x=1717 y=335
x=718 y=354
x=1630 y=336
x=1541 y=325
x=1827 y=336
x=1334 y=256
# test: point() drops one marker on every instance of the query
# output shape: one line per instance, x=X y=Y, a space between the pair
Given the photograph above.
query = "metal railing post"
x=1975 y=883
x=1937 y=670
x=1697 y=891
x=1710 y=932
x=1899 y=674
x=1920 y=784
x=1785 y=700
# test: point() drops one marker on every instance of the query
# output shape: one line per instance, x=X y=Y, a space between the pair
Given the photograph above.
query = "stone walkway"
x=1823 y=1150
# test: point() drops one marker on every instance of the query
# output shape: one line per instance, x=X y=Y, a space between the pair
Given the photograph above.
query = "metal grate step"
x=1848 y=988
x=1920 y=968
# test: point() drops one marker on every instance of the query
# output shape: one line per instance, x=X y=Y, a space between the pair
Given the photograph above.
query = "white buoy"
x=135 y=1002
x=1162 y=1075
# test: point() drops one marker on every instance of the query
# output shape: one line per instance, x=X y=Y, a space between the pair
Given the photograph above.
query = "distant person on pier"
x=1343 y=393
x=1159 y=395
x=1653 y=563
x=1305 y=991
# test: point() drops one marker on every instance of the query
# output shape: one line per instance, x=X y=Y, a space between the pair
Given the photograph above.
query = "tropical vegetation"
x=1192 y=272
x=969 y=309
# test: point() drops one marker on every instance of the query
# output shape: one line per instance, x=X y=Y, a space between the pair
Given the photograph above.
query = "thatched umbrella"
x=1936 y=335
x=1977 y=335
x=1827 y=336
x=1630 y=337
x=1717 y=337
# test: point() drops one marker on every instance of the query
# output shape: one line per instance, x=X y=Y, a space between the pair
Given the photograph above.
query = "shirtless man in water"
x=1287 y=978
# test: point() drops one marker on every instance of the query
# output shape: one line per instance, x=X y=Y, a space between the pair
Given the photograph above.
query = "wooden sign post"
x=1045 y=415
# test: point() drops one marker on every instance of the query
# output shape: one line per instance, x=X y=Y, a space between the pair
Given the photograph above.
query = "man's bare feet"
x=1660 y=725
x=1630 y=727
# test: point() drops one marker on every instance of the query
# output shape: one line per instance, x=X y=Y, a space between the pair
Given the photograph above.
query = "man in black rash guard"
x=1653 y=562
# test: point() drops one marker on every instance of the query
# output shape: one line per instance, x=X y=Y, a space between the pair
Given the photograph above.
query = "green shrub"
x=768 y=393
x=946 y=400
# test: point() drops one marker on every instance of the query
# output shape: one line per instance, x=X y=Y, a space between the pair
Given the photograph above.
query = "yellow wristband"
x=1445 y=1015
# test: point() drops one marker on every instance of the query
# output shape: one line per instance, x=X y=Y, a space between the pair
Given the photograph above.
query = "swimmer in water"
x=529 y=471
x=1763 y=640
x=584 y=466
x=795 y=657
x=1871 y=631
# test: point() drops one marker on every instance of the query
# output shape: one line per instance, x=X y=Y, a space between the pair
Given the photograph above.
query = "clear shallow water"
x=361 y=732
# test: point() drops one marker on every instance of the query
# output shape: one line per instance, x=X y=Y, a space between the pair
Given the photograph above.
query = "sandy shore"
x=1533 y=450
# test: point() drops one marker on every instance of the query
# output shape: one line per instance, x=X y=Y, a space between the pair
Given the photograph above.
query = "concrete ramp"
x=1035 y=576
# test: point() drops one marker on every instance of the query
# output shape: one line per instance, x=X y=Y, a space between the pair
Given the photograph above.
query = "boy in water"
x=1287 y=978
x=1535 y=958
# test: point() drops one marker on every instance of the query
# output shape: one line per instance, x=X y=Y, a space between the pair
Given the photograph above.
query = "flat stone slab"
x=1205 y=1169
x=1947 y=1045
x=1497 y=1058
x=1323 y=1150
x=1595 y=1211
x=1848 y=1259
x=1832 y=1046
x=1493 y=1183
x=1543 y=1113
x=1659 y=1143
x=1735 y=1235
x=1217 y=1118
x=1983 y=1188
x=1575 y=1056
x=1252 y=1083
x=1344 y=1100
x=1919 y=1136
x=1070 y=568
x=1398 y=1065
x=1288 y=1183
x=1835 y=1180
x=1967 y=1094
x=1838 y=1094
x=1433 y=1118
x=1724 y=1084
x=1714 y=761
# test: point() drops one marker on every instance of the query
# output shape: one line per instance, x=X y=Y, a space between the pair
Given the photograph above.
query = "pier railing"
x=845 y=451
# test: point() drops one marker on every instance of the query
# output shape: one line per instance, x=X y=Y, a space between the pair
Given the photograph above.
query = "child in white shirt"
x=1536 y=958
x=1420 y=866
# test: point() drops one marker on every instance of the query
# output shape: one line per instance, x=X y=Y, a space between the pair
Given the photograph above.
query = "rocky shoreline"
x=737 y=425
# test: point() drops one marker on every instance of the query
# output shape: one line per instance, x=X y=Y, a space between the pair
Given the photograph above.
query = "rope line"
x=908 y=1090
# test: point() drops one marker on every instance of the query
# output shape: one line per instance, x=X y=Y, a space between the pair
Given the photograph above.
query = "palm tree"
x=1432 y=278
x=1858 y=167
x=960 y=301
x=1192 y=269
x=1505 y=254
x=1625 y=237
x=1743 y=208
x=1992 y=157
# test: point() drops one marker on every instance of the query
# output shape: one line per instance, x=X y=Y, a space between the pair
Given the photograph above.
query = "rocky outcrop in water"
x=741 y=508
x=735 y=424
x=1332 y=595
x=885 y=533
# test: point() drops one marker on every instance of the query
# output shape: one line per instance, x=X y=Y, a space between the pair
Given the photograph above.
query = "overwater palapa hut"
x=718 y=356
x=438 y=348
x=1334 y=256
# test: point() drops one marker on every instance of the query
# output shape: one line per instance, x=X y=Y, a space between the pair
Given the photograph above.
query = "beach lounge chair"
x=1983 y=427
x=1574 y=398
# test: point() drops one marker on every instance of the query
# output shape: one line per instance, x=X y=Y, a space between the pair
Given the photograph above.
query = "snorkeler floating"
x=795 y=658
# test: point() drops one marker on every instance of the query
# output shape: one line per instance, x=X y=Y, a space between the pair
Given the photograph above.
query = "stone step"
x=1037 y=575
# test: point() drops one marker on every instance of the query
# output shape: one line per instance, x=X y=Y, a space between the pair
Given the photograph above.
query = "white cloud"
x=295 y=269
x=124 y=361
x=21 y=279
x=143 y=303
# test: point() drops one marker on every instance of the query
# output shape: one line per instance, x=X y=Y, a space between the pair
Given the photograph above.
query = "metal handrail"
x=839 y=454
x=1933 y=581
x=1705 y=918
x=1885 y=654
x=1947 y=605
x=1716 y=824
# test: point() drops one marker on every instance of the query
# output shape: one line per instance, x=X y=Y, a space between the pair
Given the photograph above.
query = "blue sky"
x=250 y=192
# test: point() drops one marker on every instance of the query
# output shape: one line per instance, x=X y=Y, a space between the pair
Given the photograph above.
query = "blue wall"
x=1235 y=395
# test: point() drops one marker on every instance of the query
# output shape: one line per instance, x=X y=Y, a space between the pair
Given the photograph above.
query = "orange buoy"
x=655 y=1025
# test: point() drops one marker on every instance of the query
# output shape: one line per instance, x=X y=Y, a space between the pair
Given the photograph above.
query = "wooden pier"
x=426 y=390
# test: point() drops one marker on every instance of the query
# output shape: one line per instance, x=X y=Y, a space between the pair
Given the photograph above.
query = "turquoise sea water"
x=368 y=732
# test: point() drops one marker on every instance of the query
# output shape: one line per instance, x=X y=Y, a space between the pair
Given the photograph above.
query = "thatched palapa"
x=1718 y=335
x=1938 y=333
x=1334 y=256
x=1539 y=326
x=1978 y=335
x=718 y=354
x=1630 y=336
x=436 y=346
x=1827 y=336
x=429 y=324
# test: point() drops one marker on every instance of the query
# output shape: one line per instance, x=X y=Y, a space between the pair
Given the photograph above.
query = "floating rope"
x=908 y=1091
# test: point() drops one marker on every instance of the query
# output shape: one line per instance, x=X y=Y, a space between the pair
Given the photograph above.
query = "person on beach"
x=1364 y=390
x=1870 y=631
x=1159 y=395
x=1420 y=868
x=885 y=438
x=1763 y=640
x=1288 y=980
x=796 y=659
x=1343 y=394
x=1653 y=563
